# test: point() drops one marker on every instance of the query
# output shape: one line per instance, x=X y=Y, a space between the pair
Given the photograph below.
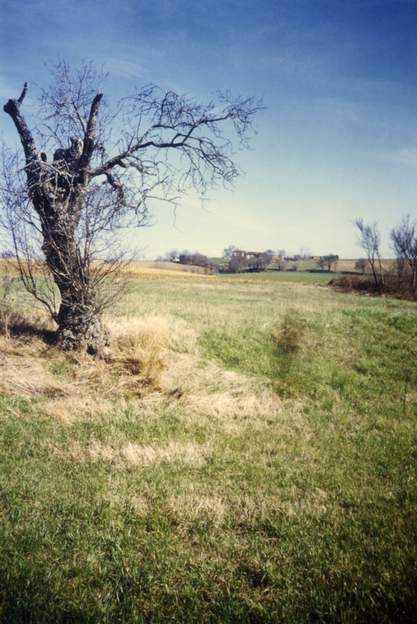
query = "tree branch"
x=24 y=91
x=90 y=133
x=12 y=108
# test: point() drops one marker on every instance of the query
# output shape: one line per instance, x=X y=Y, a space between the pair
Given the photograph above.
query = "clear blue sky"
x=339 y=77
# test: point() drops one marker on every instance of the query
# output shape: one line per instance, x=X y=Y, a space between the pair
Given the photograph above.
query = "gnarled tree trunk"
x=57 y=191
x=80 y=328
x=79 y=323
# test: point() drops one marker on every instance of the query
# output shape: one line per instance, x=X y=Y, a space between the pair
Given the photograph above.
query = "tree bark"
x=79 y=324
x=81 y=329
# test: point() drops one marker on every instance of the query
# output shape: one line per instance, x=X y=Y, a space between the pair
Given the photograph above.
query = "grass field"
x=248 y=455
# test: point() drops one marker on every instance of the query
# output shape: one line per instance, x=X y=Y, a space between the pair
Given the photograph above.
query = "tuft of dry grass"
x=134 y=455
x=23 y=373
x=192 y=507
x=69 y=409
x=139 y=347
x=140 y=344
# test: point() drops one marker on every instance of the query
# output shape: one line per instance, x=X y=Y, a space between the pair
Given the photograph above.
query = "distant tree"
x=228 y=251
x=237 y=264
x=281 y=263
x=327 y=263
x=361 y=265
x=259 y=262
x=404 y=242
x=370 y=241
x=184 y=257
x=305 y=254
x=172 y=256
x=195 y=258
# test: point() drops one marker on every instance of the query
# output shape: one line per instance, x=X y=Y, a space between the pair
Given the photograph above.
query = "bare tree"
x=327 y=263
x=361 y=265
x=369 y=240
x=281 y=263
x=404 y=242
x=172 y=256
x=228 y=251
x=305 y=254
x=57 y=210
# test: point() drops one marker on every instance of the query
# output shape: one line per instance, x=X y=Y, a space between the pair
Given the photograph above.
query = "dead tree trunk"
x=57 y=191
x=79 y=324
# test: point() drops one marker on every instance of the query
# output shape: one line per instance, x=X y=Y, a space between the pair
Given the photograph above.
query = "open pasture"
x=248 y=455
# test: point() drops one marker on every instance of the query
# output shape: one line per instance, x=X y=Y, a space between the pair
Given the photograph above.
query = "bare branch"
x=90 y=133
x=12 y=108
x=22 y=95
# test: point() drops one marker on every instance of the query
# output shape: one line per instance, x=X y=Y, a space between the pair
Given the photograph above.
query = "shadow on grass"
x=25 y=329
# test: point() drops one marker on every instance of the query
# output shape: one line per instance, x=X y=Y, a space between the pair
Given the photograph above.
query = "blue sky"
x=339 y=78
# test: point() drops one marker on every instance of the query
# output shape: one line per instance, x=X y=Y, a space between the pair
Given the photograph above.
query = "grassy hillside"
x=248 y=455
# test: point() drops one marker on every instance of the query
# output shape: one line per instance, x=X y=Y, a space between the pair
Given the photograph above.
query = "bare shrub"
x=370 y=241
x=404 y=243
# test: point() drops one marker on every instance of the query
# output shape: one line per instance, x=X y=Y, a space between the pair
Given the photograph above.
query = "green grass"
x=305 y=512
x=306 y=277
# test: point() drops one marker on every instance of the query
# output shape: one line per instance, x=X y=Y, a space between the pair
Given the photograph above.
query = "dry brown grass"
x=155 y=359
x=23 y=369
x=140 y=344
x=213 y=392
x=245 y=511
x=187 y=508
x=134 y=455
x=69 y=409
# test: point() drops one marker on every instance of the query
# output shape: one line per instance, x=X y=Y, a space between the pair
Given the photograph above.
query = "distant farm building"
x=242 y=260
x=247 y=255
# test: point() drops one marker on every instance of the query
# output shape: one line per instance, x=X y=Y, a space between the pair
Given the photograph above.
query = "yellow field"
x=349 y=265
x=164 y=268
x=151 y=269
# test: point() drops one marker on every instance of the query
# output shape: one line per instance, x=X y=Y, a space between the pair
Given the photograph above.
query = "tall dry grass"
x=140 y=344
